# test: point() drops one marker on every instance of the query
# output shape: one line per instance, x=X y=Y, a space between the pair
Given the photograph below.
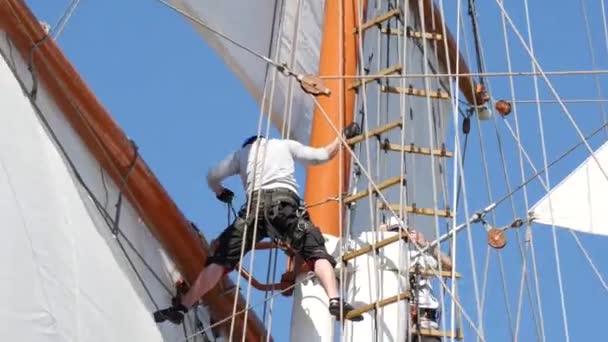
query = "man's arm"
x=418 y=238
x=311 y=155
x=226 y=168
x=308 y=154
x=333 y=147
x=445 y=260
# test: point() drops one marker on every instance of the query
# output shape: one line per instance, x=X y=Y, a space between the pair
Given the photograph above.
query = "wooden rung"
x=430 y=273
x=417 y=150
x=438 y=333
x=379 y=304
x=374 y=132
x=412 y=34
x=391 y=31
x=379 y=244
x=423 y=35
x=370 y=78
x=415 y=210
x=381 y=186
x=415 y=92
x=378 y=20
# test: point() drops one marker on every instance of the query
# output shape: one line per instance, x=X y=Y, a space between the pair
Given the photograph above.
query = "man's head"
x=251 y=140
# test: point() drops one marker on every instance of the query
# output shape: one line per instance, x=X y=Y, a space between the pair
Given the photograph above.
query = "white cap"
x=394 y=223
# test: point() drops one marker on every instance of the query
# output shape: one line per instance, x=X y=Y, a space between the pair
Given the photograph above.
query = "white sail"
x=579 y=201
x=258 y=26
x=64 y=276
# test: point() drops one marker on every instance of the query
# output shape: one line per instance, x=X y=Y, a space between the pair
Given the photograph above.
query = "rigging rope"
x=471 y=74
x=598 y=88
x=431 y=124
x=536 y=65
x=253 y=186
x=365 y=128
x=457 y=179
x=458 y=164
x=551 y=88
x=403 y=190
x=65 y=18
x=523 y=251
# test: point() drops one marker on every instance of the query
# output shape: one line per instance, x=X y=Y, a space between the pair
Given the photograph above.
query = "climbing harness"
x=272 y=202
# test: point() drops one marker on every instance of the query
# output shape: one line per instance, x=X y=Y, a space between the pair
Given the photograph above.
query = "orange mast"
x=338 y=57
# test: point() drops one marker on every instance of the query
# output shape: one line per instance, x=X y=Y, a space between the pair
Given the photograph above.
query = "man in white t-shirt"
x=425 y=307
x=266 y=168
x=426 y=310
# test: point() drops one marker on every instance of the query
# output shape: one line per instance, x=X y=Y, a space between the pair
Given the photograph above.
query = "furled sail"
x=579 y=201
x=289 y=32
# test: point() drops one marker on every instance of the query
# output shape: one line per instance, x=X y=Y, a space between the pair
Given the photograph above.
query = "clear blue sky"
x=172 y=94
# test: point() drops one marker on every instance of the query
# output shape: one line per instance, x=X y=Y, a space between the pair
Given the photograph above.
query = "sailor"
x=425 y=308
x=279 y=214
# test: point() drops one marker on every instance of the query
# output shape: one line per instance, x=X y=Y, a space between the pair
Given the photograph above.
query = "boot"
x=173 y=314
x=335 y=308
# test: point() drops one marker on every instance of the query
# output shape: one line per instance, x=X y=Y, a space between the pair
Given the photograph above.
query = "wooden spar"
x=433 y=22
x=112 y=149
x=322 y=181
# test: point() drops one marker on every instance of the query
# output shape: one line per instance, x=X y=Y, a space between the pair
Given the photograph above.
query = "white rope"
x=253 y=242
x=471 y=74
x=65 y=18
x=547 y=189
x=591 y=263
x=402 y=58
x=250 y=192
x=286 y=129
x=441 y=161
x=454 y=97
x=431 y=125
x=544 y=150
x=365 y=128
x=531 y=240
x=573 y=101
x=489 y=194
x=524 y=252
x=550 y=85
x=593 y=60
x=605 y=25
x=464 y=191
x=247 y=308
x=341 y=115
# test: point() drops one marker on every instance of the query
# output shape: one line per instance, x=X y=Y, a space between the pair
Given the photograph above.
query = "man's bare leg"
x=325 y=272
x=205 y=281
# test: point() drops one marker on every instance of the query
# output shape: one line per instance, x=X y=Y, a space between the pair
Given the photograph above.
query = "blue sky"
x=173 y=95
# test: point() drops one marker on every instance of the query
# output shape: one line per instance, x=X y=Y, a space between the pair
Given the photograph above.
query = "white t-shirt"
x=274 y=164
x=426 y=298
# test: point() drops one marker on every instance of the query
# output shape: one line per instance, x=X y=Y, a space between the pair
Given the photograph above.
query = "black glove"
x=226 y=196
x=351 y=130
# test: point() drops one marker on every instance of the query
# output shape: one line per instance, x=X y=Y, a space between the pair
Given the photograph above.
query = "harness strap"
x=268 y=204
x=272 y=200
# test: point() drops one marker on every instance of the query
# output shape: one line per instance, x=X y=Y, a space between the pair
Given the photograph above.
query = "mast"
x=323 y=181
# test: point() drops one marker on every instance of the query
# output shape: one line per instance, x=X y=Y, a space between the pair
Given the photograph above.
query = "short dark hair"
x=251 y=140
